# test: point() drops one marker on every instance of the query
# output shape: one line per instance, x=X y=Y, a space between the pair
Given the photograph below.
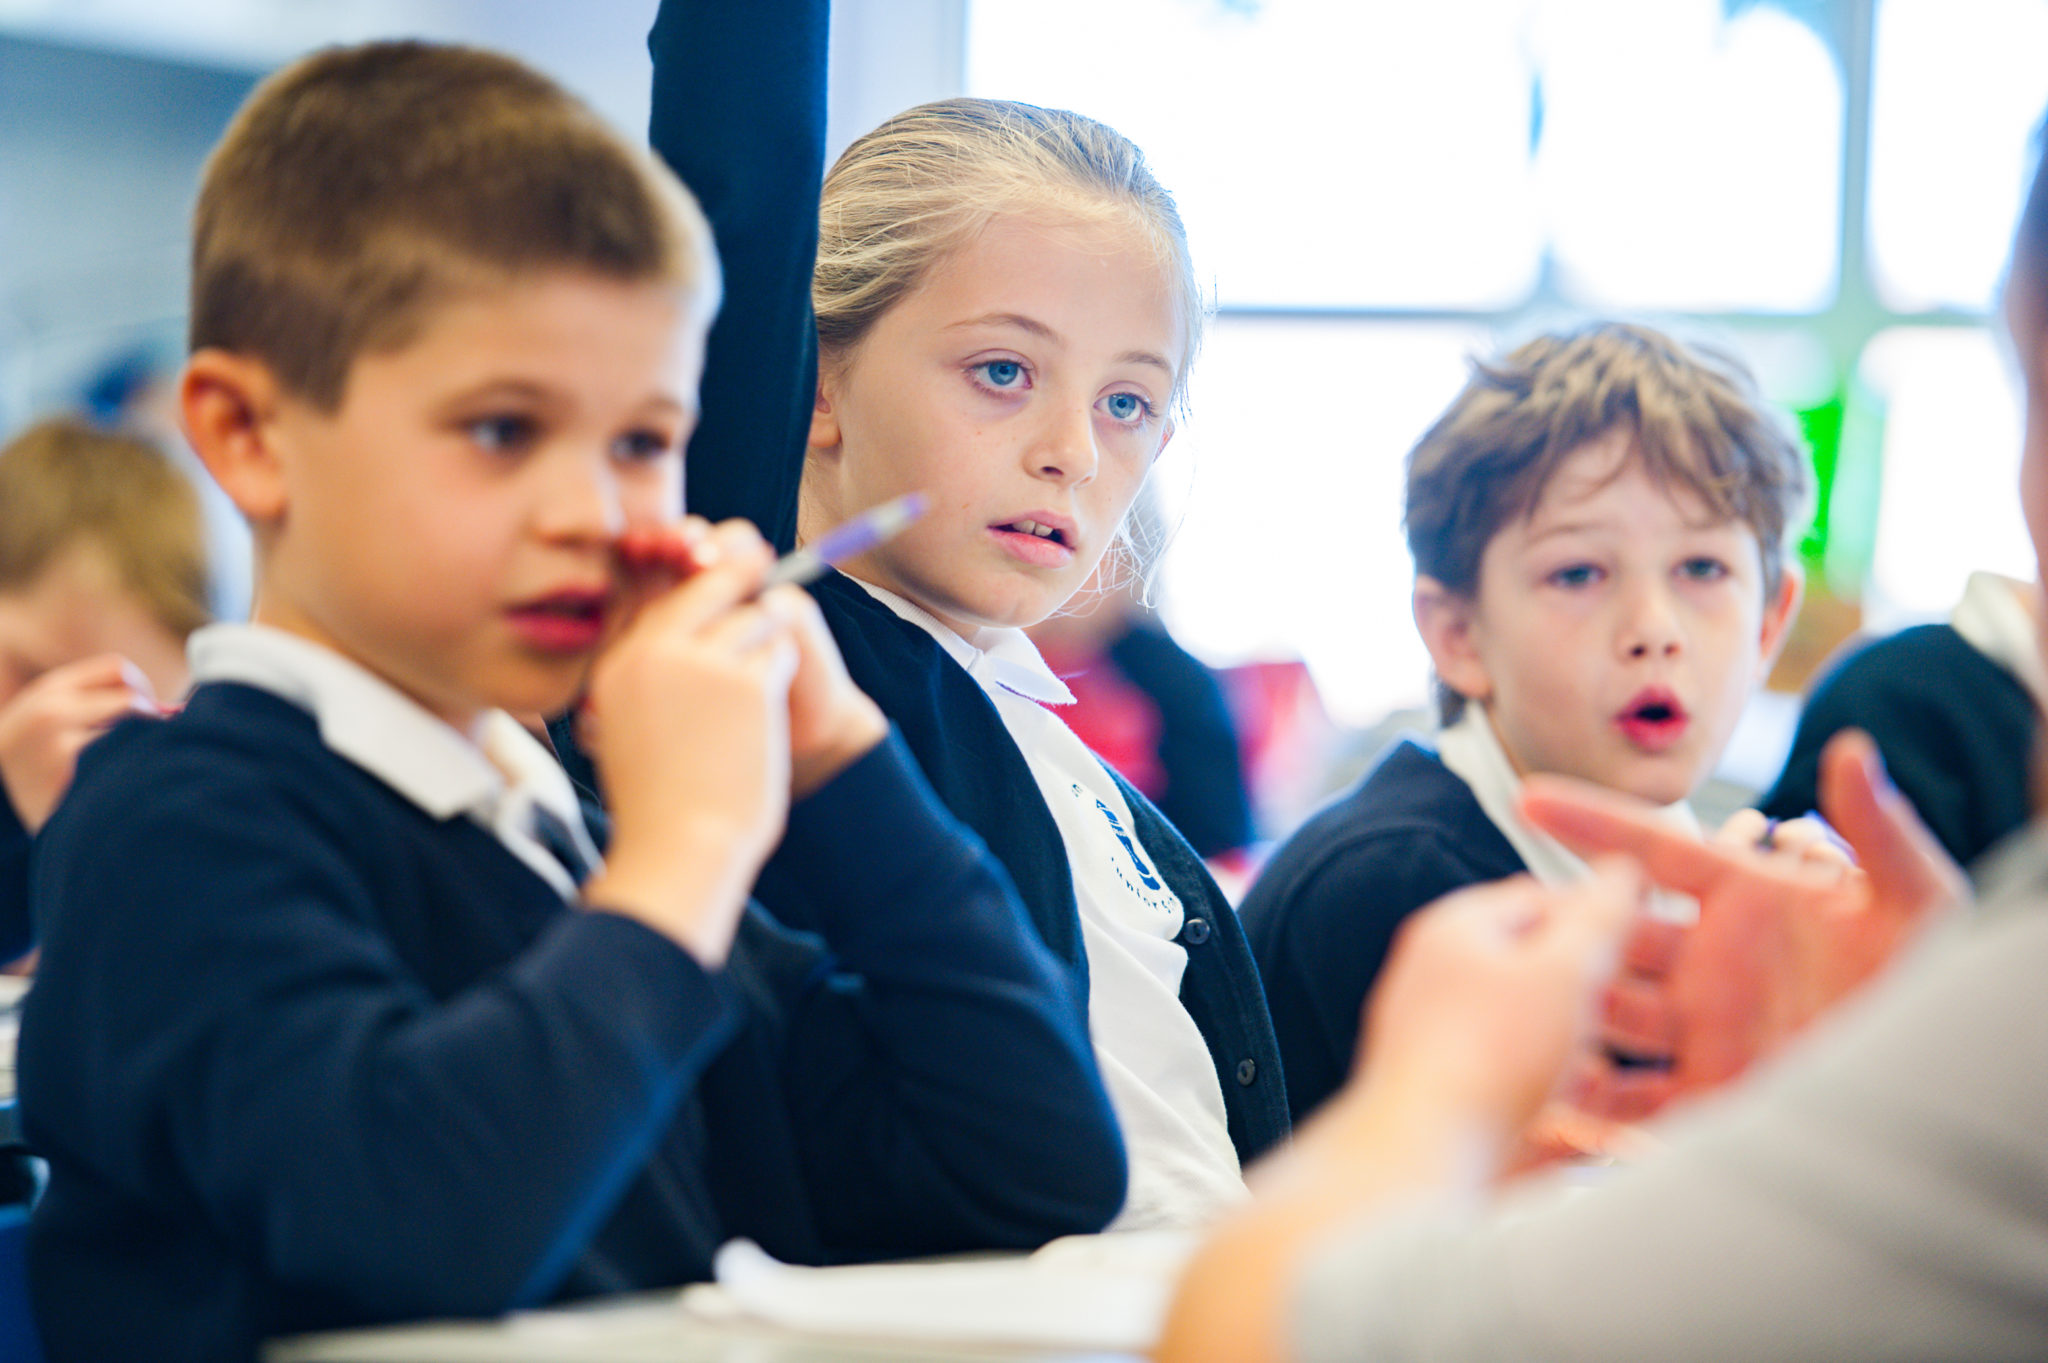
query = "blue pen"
x=849 y=539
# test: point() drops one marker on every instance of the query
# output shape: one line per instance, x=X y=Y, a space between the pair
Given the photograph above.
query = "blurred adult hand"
x=1780 y=938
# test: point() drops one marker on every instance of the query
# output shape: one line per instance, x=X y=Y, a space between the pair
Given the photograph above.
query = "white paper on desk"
x=1099 y=1292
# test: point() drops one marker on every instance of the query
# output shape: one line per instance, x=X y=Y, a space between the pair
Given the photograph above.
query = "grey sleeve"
x=1881 y=1194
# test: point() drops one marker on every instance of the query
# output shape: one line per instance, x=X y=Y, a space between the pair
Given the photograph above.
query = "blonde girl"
x=1005 y=313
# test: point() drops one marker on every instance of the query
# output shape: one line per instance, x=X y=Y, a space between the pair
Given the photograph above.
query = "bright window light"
x=1286 y=485
x=1689 y=162
x=1950 y=501
x=1325 y=153
x=1958 y=88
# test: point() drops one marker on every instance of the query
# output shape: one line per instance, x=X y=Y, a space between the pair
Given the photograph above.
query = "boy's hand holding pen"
x=693 y=691
x=831 y=721
x=671 y=553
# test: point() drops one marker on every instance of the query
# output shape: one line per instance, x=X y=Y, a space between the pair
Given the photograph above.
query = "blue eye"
x=1704 y=569
x=639 y=447
x=502 y=434
x=1128 y=407
x=1575 y=575
x=1002 y=374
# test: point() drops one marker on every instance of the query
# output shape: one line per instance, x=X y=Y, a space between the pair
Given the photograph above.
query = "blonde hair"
x=360 y=186
x=906 y=196
x=1697 y=419
x=63 y=482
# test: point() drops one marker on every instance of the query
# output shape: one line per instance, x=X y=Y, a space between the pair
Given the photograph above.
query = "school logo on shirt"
x=1132 y=869
x=1116 y=826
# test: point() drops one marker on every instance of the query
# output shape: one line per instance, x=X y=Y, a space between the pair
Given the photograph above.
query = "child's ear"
x=226 y=403
x=1779 y=611
x=825 y=436
x=1449 y=625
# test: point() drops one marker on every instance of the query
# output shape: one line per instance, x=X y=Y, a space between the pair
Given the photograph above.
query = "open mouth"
x=1033 y=528
x=1654 y=720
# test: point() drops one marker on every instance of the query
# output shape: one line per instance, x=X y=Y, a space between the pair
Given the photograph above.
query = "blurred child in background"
x=103 y=574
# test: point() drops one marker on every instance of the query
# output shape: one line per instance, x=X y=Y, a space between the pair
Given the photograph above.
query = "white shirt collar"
x=1473 y=752
x=1995 y=617
x=996 y=657
x=495 y=775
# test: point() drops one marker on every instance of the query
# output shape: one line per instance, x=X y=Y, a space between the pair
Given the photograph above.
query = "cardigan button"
x=1247 y=1070
x=1195 y=932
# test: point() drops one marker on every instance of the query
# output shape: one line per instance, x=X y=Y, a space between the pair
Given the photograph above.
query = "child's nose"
x=1064 y=451
x=1650 y=628
x=584 y=501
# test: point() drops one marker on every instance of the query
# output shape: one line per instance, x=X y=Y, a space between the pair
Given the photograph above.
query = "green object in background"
x=1821 y=424
x=1845 y=431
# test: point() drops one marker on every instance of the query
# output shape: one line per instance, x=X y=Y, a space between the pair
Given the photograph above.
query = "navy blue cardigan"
x=739 y=98
x=1957 y=731
x=17 y=934
x=981 y=775
x=1325 y=909
x=301 y=1056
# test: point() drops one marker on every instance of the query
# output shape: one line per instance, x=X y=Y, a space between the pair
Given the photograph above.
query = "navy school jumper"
x=17 y=934
x=1324 y=911
x=1957 y=731
x=739 y=101
x=302 y=1056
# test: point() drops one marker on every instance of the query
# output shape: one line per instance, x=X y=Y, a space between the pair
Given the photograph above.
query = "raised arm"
x=739 y=114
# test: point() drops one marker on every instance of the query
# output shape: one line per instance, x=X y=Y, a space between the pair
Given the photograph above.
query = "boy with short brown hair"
x=338 y=1037
x=1598 y=523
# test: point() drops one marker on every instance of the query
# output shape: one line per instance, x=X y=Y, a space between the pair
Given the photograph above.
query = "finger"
x=1638 y=1020
x=1651 y=946
x=1624 y=1094
x=679 y=547
x=656 y=562
x=100 y=669
x=109 y=672
x=1907 y=867
x=748 y=628
x=735 y=536
x=1585 y=922
x=1591 y=820
x=1806 y=835
x=709 y=594
x=1743 y=828
x=1619 y=895
x=95 y=710
x=1826 y=855
x=797 y=609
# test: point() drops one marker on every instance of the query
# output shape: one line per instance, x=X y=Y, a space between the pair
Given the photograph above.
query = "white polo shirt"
x=1154 y=1062
x=495 y=775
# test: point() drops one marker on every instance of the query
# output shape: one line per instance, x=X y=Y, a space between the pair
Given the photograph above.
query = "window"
x=1380 y=188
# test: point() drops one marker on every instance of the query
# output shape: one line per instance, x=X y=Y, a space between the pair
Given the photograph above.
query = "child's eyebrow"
x=1046 y=333
x=522 y=390
x=1539 y=532
x=542 y=394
